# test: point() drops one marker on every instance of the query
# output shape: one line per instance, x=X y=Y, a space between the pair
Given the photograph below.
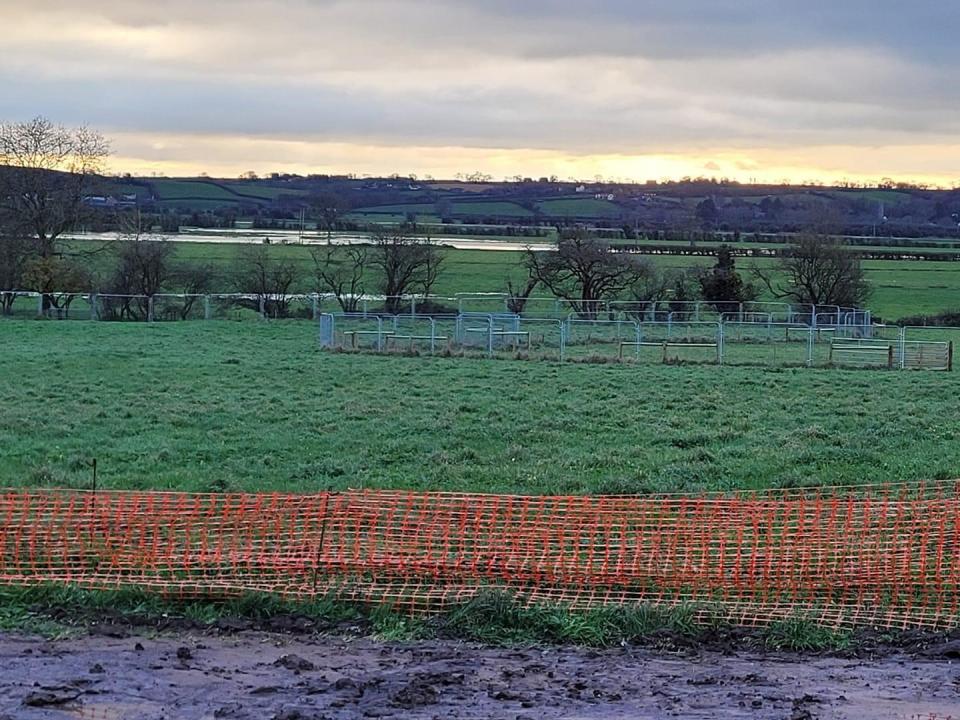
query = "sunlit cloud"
x=190 y=155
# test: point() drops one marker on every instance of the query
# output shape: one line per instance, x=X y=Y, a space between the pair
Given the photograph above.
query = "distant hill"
x=691 y=205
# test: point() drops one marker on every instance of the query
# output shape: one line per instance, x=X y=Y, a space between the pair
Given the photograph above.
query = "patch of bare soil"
x=255 y=675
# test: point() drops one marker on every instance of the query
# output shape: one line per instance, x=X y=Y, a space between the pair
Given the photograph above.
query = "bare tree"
x=327 y=206
x=14 y=255
x=57 y=279
x=143 y=269
x=47 y=171
x=266 y=278
x=584 y=271
x=339 y=270
x=650 y=285
x=193 y=281
x=518 y=293
x=817 y=270
x=433 y=260
x=405 y=263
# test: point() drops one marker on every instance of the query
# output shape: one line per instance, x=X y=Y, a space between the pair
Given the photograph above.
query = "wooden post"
x=664 y=353
x=830 y=359
x=950 y=357
x=620 y=355
x=890 y=357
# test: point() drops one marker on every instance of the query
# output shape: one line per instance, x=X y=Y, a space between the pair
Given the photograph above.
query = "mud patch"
x=254 y=675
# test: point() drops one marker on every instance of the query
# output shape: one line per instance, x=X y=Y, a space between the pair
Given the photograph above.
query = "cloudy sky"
x=638 y=89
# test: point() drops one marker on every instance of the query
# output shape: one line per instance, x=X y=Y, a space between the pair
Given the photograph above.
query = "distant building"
x=109 y=201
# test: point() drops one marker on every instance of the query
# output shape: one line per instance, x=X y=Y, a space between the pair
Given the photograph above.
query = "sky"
x=753 y=90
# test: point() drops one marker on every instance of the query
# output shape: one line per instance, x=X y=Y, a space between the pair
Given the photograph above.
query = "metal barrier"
x=624 y=340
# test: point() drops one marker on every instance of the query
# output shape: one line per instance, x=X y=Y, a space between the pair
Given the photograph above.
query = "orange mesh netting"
x=883 y=556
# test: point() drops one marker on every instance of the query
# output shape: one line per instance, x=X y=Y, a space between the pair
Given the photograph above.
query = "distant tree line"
x=47 y=171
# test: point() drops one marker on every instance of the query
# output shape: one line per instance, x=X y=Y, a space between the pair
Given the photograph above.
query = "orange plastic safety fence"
x=882 y=556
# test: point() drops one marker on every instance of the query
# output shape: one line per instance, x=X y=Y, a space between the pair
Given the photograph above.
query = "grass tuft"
x=803 y=635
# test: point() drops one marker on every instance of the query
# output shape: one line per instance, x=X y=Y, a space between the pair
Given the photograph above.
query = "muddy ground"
x=259 y=675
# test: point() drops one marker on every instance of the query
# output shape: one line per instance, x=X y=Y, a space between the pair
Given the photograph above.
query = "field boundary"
x=878 y=556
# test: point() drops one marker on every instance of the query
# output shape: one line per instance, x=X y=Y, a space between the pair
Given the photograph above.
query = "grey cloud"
x=603 y=76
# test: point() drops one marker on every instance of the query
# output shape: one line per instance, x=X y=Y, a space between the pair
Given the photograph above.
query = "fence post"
x=563 y=339
x=206 y=307
x=740 y=313
x=696 y=311
x=639 y=337
x=150 y=308
x=365 y=301
x=810 y=341
x=490 y=336
x=889 y=357
x=903 y=348
x=263 y=308
x=39 y=304
x=720 y=343
x=413 y=307
x=316 y=306
x=950 y=356
x=433 y=336
x=379 y=334
x=93 y=306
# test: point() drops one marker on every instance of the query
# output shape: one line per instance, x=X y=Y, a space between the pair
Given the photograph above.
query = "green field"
x=191 y=189
x=264 y=192
x=396 y=209
x=581 y=207
x=562 y=207
x=501 y=209
x=900 y=287
x=256 y=406
x=210 y=195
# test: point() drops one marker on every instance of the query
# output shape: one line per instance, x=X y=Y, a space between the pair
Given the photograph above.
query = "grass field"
x=207 y=195
x=256 y=406
x=265 y=192
x=501 y=209
x=396 y=209
x=900 y=288
x=181 y=189
x=581 y=207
